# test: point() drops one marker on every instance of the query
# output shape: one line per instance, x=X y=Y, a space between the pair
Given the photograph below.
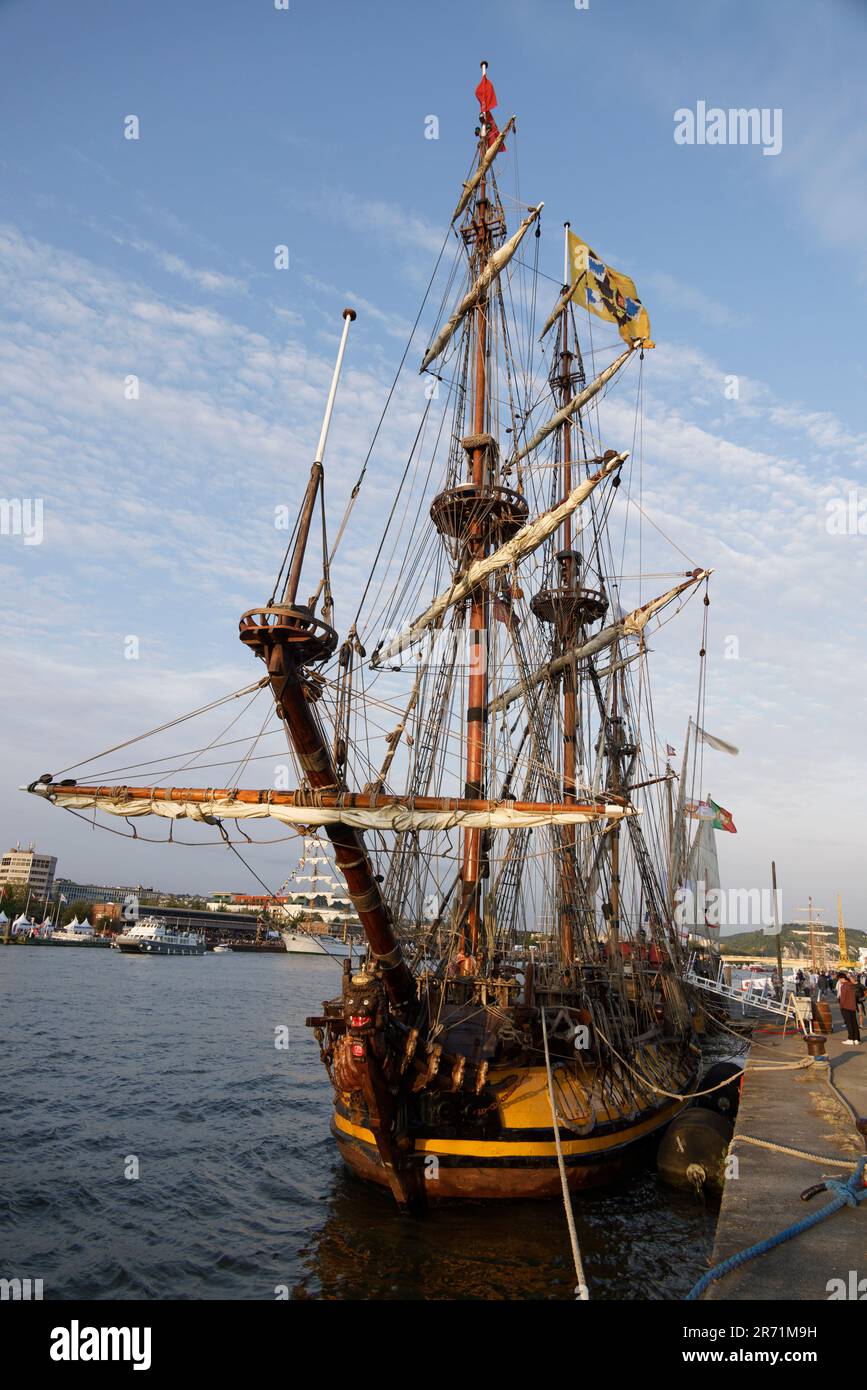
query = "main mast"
x=481 y=462
x=568 y=579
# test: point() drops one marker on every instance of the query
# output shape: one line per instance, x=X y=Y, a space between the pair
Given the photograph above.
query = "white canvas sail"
x=385 y=814
x=523 y=543
x=569 y=409
x=493 y=267
x=630 y=625
x=700 y=911
x=487 y=160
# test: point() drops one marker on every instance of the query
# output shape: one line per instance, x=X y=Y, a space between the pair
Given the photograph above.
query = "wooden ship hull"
x=517 y=1157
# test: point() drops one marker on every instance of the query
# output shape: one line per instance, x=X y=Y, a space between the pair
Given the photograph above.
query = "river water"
x=115 y=1065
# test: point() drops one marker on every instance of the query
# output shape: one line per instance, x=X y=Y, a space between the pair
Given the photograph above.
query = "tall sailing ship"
x=475 y=737
x=322 y=902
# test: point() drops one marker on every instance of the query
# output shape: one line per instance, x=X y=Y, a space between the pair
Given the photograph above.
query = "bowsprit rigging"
x=478 y=747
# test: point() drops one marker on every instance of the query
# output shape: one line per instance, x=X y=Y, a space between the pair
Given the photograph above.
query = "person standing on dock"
x=849 y=1009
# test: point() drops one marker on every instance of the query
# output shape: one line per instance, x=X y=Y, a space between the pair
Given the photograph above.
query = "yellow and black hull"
x=520 y=1160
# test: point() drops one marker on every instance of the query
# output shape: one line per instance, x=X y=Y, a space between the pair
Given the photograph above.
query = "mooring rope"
x=849 y=1194
x=793 y=1153
x=582 y=1291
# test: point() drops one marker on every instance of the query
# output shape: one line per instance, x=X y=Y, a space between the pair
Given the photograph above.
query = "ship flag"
x=607 y=293
x=487 y=99
x=722 y=818
x=718 y=743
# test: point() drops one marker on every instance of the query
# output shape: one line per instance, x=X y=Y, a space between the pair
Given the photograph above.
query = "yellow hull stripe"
x=481 y=1148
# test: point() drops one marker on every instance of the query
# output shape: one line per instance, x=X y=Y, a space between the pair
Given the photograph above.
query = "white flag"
x=719 y=744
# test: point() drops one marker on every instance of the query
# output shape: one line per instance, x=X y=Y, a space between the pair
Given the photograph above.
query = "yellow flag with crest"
x=608 y=293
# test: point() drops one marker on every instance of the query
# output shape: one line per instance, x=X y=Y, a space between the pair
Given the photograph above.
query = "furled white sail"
x=561 y=304
x=523 y=543
x=677 y=849
x=391 y=816
x=568 y=410
x=699 y=909
x=632 y=625
x=490 y=155
x=495 y=264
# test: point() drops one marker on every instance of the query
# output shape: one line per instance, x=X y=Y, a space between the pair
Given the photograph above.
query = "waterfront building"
x=25 y=869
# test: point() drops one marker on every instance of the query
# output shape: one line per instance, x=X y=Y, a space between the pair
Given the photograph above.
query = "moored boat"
x=75 y=933
x=155 y=938
x=479 y=749
x=299 y=942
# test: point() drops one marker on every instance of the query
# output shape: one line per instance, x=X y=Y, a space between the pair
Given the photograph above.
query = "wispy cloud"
x=211 y=281
x=391 y=222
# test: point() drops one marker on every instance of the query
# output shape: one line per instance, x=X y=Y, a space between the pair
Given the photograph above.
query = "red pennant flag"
x=486 y=96
x=487 y=99
x=504 y=612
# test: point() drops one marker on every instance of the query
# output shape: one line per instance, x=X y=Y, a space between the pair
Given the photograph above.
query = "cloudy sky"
x=305 y=127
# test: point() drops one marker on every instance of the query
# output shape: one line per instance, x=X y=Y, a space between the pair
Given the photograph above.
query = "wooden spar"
x=293 y=577
x=777 y=932
x=284 y=657
x=477 y=691
x=567 y=638
x=253 y=796
x=485 y=165
x=614 y=843
x=350 y=853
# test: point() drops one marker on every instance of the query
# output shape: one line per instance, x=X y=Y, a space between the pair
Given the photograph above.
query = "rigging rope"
x=582 y=1291
x=181 y=719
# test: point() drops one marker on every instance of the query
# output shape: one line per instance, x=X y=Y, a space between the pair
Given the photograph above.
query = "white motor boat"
x=155 y=938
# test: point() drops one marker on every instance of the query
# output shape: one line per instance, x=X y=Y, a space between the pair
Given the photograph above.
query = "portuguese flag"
x=722 y=819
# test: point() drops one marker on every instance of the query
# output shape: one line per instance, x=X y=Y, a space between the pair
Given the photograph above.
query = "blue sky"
x=261 y=127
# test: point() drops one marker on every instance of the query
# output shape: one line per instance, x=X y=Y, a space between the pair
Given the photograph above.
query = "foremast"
x=288 y=636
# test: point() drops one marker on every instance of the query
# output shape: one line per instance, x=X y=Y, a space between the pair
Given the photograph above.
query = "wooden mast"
x=614 y=778
x=477 y=686
x=568 y=580
x=287 y=636
x=777 y=930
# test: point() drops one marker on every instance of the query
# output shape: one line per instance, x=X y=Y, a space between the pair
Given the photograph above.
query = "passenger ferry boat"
x=154 y=938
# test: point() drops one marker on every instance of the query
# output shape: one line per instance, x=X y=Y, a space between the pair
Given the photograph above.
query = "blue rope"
x=850 y=1193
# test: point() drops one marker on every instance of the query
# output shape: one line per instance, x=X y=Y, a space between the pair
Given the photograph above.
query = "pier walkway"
x=796 y=1108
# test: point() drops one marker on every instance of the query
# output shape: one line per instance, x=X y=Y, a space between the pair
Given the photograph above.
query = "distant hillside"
x=758 y=943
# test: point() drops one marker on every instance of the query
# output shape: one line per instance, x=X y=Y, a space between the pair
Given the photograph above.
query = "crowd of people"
x=850 y=987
